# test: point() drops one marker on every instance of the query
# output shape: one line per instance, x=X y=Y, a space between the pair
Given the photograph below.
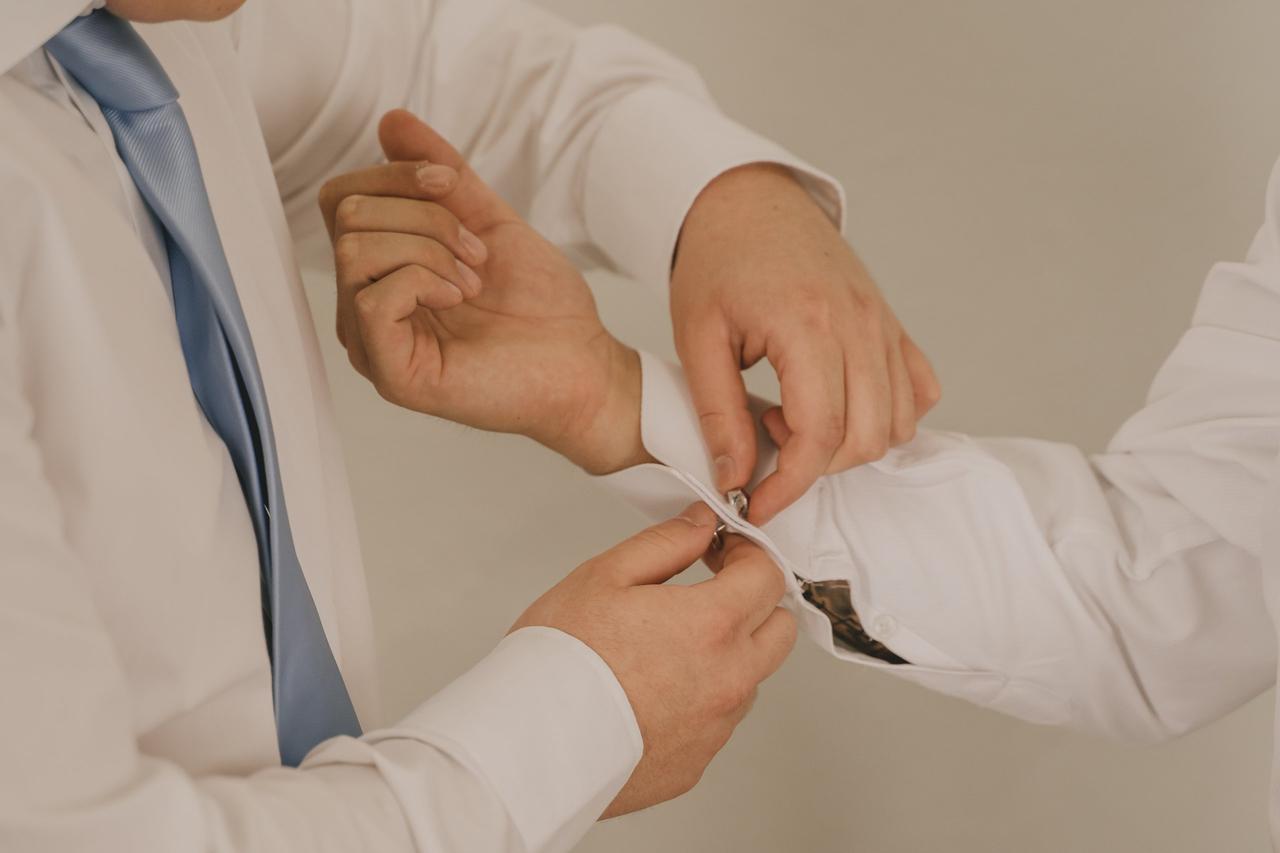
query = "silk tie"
x=113 y=64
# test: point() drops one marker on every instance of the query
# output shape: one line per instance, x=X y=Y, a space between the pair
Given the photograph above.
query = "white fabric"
x=1125 y=594
x=136 y=699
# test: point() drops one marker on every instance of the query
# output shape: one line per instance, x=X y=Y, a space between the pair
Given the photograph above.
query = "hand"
x=453 y=306
x=762 y=273
x=689 y=657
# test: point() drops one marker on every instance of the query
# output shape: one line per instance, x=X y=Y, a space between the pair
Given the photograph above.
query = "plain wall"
x=1039 y=187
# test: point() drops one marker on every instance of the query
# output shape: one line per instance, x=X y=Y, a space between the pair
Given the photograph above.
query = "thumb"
x=404 y=136
x=658 y=554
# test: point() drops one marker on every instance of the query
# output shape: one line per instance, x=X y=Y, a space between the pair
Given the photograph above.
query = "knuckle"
x=366 y=303
x=828 y=431
x=932 y=393
x=656 y=540
x=346 y=251
x=393 y=394
x=771 y=580
x=416 y=274
x=444 y=222
x=735 y=692
x=870 y=311
x=815 y=314
x=720 y=425
x=905 y=431
x=349 y=212
x=438 y=255
x=719 y=625
x=689 y=779
x=328 y=195
x=869 y=448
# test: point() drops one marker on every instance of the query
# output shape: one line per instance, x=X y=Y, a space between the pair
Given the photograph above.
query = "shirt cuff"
x=670 y=432
x=802 y=539
x=658 y=150
x=544 y=721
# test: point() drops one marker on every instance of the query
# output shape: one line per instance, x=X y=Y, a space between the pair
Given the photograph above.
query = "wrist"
x=743 y=188
x=605 y=437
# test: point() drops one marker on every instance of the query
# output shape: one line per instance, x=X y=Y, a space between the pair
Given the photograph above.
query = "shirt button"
x=884 y=626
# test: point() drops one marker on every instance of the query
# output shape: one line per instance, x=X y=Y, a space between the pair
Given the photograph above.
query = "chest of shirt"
x=150 y=499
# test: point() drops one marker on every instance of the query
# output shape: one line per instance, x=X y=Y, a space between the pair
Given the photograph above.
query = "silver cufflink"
x=739 y=501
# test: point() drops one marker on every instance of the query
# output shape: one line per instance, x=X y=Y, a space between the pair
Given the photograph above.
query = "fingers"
x=406 y=137
x=776 y=425
x=813 y=403
x=903 y=414
x=774 y=640
x=357 y=213
x=888 y=393
x=374 y=236
x=869 y=413
x=656 y=555
x=396 y=352
x=924 y=382
x=752 y=586
x=420 y=180
x=720 y=397
x=363 y=257
x=748 y=583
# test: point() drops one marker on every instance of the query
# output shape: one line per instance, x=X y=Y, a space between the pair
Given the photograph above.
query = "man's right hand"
x=689 y=657
x=523 y=352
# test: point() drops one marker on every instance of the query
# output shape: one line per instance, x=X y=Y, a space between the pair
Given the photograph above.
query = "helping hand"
x=761 y=272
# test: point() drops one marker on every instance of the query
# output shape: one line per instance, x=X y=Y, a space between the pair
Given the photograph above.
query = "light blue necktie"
x=110 y=60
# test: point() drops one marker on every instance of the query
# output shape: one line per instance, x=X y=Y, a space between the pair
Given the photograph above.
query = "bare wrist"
x=739 y=188
x=607 y=436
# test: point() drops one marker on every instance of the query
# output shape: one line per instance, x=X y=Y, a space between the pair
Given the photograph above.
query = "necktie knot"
x=110 y=60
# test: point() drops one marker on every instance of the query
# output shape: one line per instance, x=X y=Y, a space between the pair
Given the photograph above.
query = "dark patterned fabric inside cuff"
x=834 y=599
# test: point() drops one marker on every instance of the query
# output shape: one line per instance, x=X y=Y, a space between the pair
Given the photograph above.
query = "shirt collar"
x=30 y=23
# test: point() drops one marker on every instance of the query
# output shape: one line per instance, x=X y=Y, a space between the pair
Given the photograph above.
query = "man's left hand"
x=761 y=272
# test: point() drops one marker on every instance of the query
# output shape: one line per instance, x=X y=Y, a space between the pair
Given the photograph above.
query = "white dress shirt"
x=1131 y=594
x=136 y=702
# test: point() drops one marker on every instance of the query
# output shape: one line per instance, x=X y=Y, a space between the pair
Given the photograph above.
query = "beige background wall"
x=1039 y=187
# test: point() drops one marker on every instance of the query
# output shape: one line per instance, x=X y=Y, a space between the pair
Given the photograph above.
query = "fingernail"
x=725 y=470
x=475 y=247
x=698 y=514
x=470 y=280
x=435 y=178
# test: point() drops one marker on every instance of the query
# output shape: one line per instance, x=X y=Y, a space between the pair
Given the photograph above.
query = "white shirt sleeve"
x=522 y=753
x=600 y=139
x=1120 y=593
